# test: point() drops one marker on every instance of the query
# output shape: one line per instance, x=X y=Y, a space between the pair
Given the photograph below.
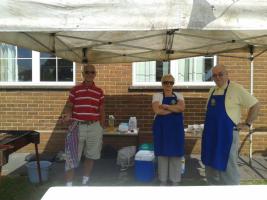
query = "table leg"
x=137 y=143
x=38 y=163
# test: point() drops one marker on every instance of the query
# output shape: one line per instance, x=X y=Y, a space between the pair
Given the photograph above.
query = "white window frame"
x=172 y=71
x=36 y=76
x=135 y=83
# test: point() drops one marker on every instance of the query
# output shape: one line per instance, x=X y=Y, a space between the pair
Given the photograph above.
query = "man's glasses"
x=168 y=83
x=219 y=75
x=90 y=72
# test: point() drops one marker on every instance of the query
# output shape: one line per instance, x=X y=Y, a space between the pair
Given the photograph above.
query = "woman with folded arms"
x=168 y=131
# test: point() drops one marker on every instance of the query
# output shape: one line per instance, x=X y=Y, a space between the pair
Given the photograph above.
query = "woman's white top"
x=159 y=97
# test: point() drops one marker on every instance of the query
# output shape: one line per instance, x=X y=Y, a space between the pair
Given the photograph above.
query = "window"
x=145 y=71
x=55 y=69
x=187 y=72
x=20 y=66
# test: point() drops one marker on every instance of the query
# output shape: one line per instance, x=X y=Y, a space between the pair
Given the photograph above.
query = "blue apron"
x=217 y=134
x=168 y=132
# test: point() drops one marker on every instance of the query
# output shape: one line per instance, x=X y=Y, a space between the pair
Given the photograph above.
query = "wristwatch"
x=249 y=125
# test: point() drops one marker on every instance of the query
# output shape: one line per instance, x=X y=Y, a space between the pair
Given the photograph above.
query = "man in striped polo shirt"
x=86 y=106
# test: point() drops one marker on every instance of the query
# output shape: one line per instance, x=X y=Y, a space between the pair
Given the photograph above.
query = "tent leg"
x=251 y=58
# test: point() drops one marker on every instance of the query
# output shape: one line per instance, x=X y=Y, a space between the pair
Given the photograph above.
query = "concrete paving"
x=107 y=173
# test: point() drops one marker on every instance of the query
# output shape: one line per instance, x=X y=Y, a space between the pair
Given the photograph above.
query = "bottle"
x=182 y=165
x=111 y=121
x=132 y=123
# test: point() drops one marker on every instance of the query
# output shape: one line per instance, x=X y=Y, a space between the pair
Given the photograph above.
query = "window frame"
x=36 y=79
x=177 y=84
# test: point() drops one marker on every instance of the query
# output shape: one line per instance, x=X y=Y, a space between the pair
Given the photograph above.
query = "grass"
x=254 y=182
x=19 y=187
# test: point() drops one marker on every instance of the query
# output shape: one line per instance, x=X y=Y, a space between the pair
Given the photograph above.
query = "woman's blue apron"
x=217 y=134
x=168 y=132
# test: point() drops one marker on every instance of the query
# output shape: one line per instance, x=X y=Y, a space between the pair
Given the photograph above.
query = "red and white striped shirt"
x=86 y=102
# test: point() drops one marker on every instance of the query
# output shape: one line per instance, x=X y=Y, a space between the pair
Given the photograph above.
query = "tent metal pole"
x=251 y=58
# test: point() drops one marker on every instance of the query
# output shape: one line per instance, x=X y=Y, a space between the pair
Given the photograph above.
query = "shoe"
x=68 y=184
x=87 y=184
x=176 y=183
x=86 y=181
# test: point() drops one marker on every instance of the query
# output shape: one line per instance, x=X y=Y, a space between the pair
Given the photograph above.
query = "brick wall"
x=39 y=109
x=34 y=110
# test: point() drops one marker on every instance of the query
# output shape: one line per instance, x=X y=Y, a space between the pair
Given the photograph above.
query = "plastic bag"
x=125 y=157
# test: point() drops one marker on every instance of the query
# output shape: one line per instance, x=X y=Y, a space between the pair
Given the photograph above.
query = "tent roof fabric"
x=115 y=31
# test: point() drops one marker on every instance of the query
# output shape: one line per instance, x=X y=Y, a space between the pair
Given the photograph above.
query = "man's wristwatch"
x=249 y=125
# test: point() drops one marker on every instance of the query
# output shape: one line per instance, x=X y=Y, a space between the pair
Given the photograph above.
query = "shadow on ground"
x=106 y=173
x=16 y=186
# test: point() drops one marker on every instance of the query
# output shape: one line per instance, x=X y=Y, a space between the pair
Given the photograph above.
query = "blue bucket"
x=33 y=171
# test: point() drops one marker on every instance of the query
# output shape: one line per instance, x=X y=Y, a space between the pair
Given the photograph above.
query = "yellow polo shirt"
x=236 y=98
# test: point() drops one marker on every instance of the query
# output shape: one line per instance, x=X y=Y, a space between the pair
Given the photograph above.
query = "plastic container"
x=33 y=171
x=111 y=121
x=145 y=165
x=132 y=123
x=146 y=146
x=123 y=127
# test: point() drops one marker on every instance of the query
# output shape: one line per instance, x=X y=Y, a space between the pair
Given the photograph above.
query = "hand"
x=164 y=106
x=242 y=126
x=65 y=118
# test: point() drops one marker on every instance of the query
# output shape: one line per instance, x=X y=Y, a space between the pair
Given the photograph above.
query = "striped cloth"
x=71 y=146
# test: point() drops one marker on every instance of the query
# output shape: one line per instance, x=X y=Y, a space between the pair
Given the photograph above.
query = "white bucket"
x=33 y=171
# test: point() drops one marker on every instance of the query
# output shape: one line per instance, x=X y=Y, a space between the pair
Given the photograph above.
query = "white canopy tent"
x=114 y=31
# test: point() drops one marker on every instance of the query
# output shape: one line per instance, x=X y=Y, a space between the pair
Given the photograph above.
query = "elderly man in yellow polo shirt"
x=220 y=137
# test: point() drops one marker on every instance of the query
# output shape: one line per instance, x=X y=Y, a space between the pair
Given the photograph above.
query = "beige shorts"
x=90 y=140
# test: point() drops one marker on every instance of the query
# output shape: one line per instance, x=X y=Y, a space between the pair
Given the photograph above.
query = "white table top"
x=244 y=192
x=116 y=132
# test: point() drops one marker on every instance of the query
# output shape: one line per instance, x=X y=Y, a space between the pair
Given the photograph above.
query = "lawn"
x=19 y=188
x=254 y=182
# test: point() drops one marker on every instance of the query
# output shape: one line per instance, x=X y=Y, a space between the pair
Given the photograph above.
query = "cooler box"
x=145 y=165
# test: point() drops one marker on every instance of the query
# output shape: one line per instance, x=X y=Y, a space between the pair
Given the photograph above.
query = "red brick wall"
x=39 y=109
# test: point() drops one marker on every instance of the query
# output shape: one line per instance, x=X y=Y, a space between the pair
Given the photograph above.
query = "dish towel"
x=71 y=146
